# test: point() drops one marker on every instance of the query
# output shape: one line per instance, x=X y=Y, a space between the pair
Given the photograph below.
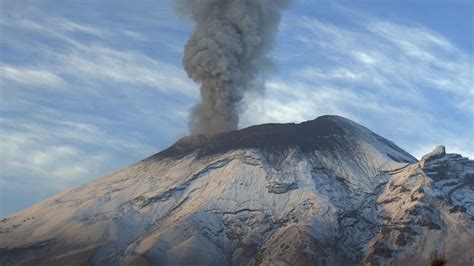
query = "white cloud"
x=403 y=55
x=92 y=61
x=59 y=165
x=28 y=76
x=71 y=26
x=98 y=63
x=63 y=28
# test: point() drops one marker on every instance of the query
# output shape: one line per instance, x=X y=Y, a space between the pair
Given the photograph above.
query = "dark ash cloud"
x=226 y=54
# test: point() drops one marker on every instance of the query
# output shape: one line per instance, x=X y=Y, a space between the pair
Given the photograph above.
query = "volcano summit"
x=323 y=192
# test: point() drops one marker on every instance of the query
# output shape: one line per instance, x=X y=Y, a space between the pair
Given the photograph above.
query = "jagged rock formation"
x=324 y=192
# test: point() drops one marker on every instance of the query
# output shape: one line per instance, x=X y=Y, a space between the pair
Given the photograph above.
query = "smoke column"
x=226 y=54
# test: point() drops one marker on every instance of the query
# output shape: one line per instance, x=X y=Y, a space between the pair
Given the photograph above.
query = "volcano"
x=324 y=192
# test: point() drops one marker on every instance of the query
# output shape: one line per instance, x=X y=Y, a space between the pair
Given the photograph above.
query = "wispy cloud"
x=25 y=76
x=97 y=63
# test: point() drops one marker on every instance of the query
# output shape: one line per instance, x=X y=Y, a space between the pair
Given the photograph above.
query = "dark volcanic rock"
x=325 y=133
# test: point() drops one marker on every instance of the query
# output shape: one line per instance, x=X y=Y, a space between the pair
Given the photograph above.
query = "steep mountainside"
x=323 y=192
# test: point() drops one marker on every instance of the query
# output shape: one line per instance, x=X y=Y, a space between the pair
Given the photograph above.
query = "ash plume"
x=226 y=54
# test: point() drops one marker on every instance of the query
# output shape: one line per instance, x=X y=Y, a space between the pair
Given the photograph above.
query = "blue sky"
x=88 y=87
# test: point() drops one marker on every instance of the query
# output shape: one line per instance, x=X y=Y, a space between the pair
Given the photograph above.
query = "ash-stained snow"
x=324 y=192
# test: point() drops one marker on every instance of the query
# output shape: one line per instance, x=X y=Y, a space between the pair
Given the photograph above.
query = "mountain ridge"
x=271 y=135
x=350 y=195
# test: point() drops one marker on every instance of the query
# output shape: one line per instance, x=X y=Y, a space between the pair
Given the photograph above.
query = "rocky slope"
x=323 y=192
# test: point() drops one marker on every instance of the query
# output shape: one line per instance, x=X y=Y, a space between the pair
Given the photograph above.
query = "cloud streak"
x=25 y=76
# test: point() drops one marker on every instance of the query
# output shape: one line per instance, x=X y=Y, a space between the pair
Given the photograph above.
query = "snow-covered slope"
x=324 y=192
